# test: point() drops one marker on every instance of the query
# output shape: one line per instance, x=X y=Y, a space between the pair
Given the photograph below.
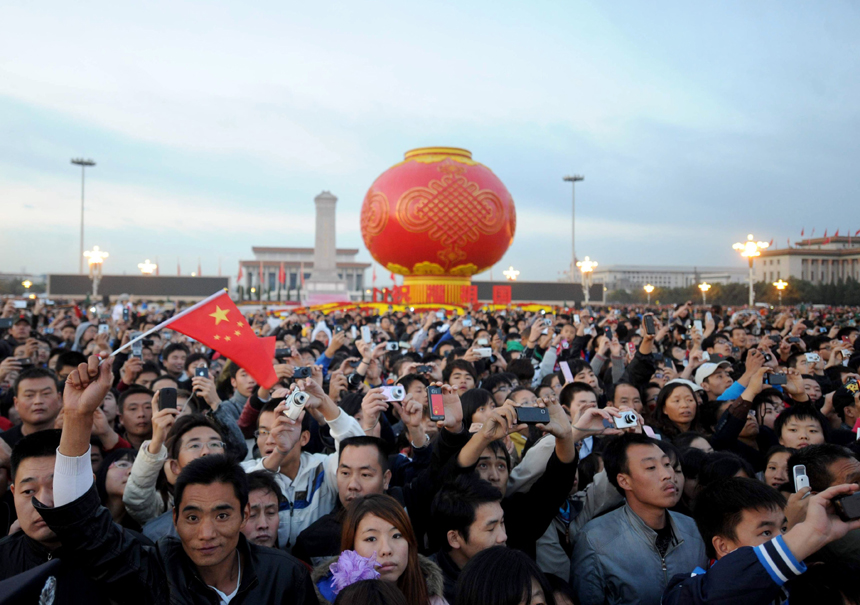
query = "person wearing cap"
x=17 y=334
x=717 y=383
x=846 y=403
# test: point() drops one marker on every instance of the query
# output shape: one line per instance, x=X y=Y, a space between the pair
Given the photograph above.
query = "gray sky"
x=214 y=124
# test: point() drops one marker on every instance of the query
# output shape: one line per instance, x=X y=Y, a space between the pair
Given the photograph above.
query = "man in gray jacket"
x=629 y=555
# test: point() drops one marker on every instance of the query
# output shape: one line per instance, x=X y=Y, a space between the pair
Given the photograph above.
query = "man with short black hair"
x=264 y=500
x=628 y=555
x=742 y=522
x=173 y=359
x=362 y=469
x=35 y=543
x=134 y=407
x=468 y=518
x=37 y=402
x=211 y=560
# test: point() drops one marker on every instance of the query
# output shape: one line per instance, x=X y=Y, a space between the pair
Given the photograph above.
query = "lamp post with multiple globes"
x=95 y=259
x=586 y=267
x=780 y=286
x=749 y=250
x=704 y=287
x=648 y=290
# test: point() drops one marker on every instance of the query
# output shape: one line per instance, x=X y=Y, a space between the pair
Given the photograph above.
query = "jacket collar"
x=249 y=573
x=648 y=534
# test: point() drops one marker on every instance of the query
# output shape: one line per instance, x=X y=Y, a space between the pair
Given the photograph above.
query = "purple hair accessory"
x=350 y=568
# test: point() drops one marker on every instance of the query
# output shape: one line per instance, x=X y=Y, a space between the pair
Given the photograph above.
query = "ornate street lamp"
x=749 y=250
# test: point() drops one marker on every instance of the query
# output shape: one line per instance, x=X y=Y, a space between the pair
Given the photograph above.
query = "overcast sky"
x=214 y=124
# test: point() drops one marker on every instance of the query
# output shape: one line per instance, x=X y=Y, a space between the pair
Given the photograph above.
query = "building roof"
x=295 y=263
x=667 y=269
x=812 y=251
x=268 y=249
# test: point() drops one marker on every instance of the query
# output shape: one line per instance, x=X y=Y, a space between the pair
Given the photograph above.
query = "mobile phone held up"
x=775 y=379
x=800 y=478
x=285 y=353
x=437 y=407
x=650 y=327
x=304 y=372
x=848 y=507
x=528 y=415
x=167 y=398
x=202 y=371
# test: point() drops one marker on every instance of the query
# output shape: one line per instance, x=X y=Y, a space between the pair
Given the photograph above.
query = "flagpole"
x=167 y=322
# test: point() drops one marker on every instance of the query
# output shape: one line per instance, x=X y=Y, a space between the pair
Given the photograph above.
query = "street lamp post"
x=83 y=164
x=704 y=287
x=573 y=180
x=749 y=250
x=780 y=286
x=586 y=267
x=95 y=259
x=648 y=289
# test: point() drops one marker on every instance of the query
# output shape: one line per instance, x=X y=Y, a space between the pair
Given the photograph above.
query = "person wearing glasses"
x=176 y=441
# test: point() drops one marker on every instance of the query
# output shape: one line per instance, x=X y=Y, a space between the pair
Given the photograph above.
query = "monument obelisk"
x=324 y=285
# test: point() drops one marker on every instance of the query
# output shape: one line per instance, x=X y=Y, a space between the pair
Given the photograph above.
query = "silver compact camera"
x=295 y=404
x=626 y=421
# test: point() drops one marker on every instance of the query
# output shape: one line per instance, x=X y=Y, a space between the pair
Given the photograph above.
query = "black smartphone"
x=304 y=372
x=607 y=331
x=793 y=339
x=25 y=362
x=6 y=322
x=775 y=379
x=650 y=327
x=437 y=407
x=338 y=329
x=354 y=363
x=532 y=415
x=167 y=398
x=423 y=369
x=557 y=329
x=283 y=353
x=125 y=314
x=848 y=507
x=202 y=371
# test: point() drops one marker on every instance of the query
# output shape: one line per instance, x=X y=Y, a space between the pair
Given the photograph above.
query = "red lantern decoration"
x=438 y=218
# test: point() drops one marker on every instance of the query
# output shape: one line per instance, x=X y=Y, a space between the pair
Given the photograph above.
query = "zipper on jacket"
x=665 y=571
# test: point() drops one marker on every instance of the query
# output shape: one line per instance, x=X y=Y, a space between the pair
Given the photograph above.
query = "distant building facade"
x=812 y=260
x=296 y=261
x=634 y=277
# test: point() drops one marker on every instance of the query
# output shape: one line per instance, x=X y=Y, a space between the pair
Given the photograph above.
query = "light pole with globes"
x=147 y=268
x=95 y=259
x=648 y=290
x=749 y=250
x=780 y=286
x=586 y=267
x=704 y=287
x=573 y=180
x=83 y=164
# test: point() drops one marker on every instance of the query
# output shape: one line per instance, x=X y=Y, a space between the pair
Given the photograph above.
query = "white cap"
x=689 y=383
x=706 y=369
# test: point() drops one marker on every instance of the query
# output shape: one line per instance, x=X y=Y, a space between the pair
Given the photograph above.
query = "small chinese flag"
x=282 y=275
x=218 y=324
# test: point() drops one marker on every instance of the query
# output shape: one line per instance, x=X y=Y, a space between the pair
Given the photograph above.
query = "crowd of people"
x=635 y=455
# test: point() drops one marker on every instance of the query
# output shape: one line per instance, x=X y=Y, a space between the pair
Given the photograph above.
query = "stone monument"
x=324 y=285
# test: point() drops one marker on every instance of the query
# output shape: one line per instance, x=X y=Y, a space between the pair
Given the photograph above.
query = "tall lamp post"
x=749 y=250
x=83 y=164
x=780 y=286
x=648 y=289
x=704 y=287
x=95 y=259
x=573 y=180
x=586 y=267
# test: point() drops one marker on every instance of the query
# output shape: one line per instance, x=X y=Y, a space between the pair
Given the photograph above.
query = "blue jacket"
x=747 y=576
x=616 y=560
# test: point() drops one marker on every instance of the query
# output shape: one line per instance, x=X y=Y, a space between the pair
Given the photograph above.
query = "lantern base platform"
x=442 y=289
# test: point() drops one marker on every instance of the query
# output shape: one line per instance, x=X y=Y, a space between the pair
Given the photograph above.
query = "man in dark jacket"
x=741 y=520
x=35 y=544
x=211 y=561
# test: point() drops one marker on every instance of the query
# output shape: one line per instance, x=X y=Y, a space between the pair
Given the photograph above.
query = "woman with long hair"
x=677 y=410
x=377 y=528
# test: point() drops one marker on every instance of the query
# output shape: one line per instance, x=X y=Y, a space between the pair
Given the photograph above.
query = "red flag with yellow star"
x=218 y=324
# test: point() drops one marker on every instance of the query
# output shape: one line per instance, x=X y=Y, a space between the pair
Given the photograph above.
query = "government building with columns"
x=811 y=260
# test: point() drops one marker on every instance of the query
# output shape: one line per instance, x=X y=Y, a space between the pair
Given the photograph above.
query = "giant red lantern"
x=438 y=217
